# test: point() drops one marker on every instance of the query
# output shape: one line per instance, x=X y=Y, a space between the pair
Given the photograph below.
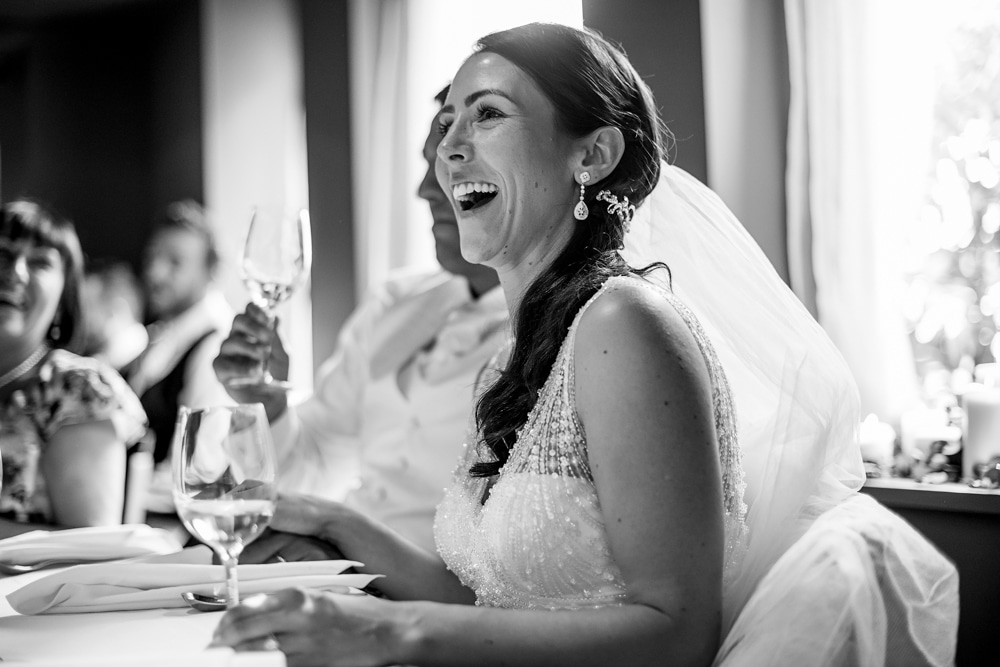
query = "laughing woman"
x=570 y=523
x=65 y=420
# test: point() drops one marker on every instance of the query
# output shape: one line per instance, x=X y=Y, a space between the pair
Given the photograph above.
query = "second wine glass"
x=276 y=259
x=224 y=469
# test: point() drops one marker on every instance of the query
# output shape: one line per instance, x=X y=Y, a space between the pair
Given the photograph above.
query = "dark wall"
x=102 y=117
x=663 y=42
x=328 y=143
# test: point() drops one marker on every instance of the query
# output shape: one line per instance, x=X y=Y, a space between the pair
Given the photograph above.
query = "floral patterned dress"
x=66 y=389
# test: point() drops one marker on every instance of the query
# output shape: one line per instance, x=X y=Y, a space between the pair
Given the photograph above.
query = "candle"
x=919 y=429
x=988 y=374
x=980 y=429
x=877 y=440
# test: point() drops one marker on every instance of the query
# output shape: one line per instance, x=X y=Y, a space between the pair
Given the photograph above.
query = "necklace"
x=24 y=366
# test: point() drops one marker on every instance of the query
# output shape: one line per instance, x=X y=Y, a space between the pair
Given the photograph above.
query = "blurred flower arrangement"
x=952 y=302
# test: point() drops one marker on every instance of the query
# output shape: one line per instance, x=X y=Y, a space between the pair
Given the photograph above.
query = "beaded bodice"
x=539 y=540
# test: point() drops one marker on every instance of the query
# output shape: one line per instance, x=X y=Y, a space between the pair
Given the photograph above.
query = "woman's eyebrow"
x=472 y=97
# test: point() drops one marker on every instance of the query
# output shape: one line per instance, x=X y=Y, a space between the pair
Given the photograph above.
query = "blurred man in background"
x=187 y=319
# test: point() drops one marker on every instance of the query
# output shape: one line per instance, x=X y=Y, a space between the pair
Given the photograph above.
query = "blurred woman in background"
x=65 y=420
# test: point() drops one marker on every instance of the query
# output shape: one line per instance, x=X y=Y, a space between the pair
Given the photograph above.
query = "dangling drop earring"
x=580 y=211
x=54 y=330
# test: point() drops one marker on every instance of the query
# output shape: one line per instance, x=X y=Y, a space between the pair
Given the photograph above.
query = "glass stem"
x=265 y=374
x=232 y=585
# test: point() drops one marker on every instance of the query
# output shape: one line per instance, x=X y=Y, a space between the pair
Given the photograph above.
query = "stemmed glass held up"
x=224 y=469
x=277 y=257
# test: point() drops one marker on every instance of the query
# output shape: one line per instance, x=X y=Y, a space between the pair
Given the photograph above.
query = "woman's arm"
x=84 y=469
x=645 y=401
x=643 y=396
x=410 y=572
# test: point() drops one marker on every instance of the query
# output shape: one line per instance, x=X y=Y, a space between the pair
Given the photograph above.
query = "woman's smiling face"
x=32 y=278
x=506 y=166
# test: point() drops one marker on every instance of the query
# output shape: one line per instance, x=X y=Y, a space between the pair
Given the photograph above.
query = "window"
x=952 y=251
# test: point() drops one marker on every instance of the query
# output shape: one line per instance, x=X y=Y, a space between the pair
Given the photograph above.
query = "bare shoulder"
x=633 y=320
x=633 y=349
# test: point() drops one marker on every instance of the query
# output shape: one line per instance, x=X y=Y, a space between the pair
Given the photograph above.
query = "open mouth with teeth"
x=473 y=195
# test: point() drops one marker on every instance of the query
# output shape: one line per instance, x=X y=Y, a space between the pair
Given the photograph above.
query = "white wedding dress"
x=815 y=572
x=539 y=539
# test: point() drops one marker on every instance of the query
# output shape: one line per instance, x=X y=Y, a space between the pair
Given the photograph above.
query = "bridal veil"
x=797 y=411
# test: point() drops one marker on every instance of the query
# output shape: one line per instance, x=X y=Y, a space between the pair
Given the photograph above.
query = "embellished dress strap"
x=724 y=409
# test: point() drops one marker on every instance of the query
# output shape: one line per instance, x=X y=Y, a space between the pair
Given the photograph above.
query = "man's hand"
x=253 y=341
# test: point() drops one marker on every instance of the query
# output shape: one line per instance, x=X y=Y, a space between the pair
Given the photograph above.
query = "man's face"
x=445 y=227
x=175 y=273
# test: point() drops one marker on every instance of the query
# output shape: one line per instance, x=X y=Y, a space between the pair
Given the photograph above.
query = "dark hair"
x=442 y=95
x=591 y=84
x=188 y=215
x=27 y=219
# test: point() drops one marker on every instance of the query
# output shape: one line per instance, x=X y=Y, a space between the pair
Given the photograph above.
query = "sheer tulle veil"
x=796 y=401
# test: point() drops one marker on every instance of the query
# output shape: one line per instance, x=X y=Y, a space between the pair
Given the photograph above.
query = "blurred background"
x=859 y=142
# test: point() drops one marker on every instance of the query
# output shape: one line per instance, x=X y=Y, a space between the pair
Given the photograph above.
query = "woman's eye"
x=488 y=113
x=443 y=126
x=42 y=258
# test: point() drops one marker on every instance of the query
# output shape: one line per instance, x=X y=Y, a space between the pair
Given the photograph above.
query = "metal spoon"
x=216 y=603
x=204 y=602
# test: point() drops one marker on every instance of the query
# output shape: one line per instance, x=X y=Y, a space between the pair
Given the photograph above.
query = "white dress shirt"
x=384 y=429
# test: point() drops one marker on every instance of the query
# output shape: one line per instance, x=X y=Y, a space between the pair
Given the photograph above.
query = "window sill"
x=908 y=494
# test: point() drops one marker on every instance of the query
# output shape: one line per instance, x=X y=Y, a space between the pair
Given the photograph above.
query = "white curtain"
x=860 y=122
x=378 y=46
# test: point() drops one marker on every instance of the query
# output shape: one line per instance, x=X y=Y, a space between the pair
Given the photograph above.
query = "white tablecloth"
x=147 y=638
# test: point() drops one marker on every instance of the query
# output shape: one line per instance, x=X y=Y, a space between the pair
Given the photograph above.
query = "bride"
x=600 y=514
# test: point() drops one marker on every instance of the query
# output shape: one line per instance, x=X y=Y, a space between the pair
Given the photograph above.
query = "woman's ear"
x=600 y=152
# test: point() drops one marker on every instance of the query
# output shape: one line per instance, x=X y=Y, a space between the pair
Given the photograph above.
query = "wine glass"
x=276 y=259
x=224 y=479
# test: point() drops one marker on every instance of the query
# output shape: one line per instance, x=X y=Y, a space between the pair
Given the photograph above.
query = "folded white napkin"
x=157 y=582
x=89 y=544
x=213 y=657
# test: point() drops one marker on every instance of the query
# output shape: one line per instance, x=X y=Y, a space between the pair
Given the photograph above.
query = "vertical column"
x=327 y=99
x=254 y=139
x=663 y=42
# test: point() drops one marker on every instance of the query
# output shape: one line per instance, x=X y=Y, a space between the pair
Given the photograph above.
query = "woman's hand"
x=274 y=546
x=310 y=516
x=314 y=628
x=253 y=341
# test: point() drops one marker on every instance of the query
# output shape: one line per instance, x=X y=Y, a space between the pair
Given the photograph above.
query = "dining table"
x=141 y=638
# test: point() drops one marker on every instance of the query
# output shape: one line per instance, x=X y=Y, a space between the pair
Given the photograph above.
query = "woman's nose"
x=14 y=268
x=454 y=147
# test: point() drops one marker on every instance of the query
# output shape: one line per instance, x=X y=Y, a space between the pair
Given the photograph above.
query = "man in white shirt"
x=384 y=428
